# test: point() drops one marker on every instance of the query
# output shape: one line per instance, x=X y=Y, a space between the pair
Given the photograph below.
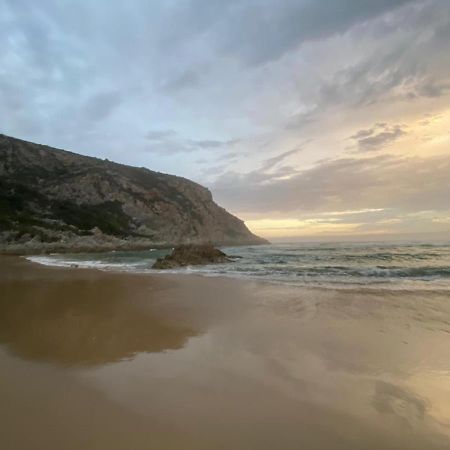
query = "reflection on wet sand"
x=251 y=366
x=83 y=321
x=391 y=399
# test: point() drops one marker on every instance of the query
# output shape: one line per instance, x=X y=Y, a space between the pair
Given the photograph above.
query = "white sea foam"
x=83 y=264
x=48 y=261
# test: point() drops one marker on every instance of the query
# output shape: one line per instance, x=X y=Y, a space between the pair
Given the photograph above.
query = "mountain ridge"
x=57 y=200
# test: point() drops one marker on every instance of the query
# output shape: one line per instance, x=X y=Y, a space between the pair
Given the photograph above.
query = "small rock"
x=187 y=255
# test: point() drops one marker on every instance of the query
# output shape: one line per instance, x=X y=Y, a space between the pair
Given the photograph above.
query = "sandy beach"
x=101 y=360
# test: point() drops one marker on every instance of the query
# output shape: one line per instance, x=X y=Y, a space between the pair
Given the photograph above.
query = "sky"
x=307 y=119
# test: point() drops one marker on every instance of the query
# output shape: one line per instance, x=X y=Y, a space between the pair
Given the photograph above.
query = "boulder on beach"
x=187 y=255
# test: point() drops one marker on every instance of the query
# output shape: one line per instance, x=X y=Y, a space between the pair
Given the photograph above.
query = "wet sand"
x=96 y=360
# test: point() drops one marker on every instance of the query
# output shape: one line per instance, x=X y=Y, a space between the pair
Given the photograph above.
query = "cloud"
x=265 y=31
x=433 y=88
x=160 y=135
x=169 y=142
x=272 y=162
x=214 y=144
x=186 y=80
x=202 y=64
x=100 y=105
x=383 y=67
x=377 y=137
x=379 y=182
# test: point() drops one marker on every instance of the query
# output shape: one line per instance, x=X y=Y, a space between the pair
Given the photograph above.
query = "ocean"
x=327 y=265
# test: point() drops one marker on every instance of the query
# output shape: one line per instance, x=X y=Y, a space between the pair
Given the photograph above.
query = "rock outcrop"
x=191 y=255
x=53 y=200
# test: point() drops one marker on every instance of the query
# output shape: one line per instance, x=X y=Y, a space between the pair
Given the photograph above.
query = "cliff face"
x=54 y=200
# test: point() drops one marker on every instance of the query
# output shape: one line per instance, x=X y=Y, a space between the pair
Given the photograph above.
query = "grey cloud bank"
x=377 y=137
x=401 y=183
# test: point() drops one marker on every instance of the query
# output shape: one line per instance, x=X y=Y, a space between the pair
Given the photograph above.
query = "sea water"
x=328 y=265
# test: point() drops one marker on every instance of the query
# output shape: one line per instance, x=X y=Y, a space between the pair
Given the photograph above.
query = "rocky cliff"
x=54 y=200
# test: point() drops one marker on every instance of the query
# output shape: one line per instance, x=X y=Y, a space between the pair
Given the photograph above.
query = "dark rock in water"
x=187 y=255
x=56 y=201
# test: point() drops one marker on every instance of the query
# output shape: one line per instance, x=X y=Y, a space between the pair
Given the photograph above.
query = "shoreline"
x=184 y=272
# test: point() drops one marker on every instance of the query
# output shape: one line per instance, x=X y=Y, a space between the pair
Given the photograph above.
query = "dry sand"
x=95 y=360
